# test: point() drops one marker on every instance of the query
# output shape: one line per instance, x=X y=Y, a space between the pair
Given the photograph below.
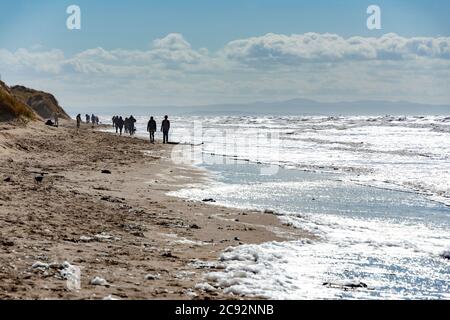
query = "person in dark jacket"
x=78 y=123
x=126 y=124
x=120 y=124
x=132 y=128
x=116 y=121
x=151 y=129
x=165 y=127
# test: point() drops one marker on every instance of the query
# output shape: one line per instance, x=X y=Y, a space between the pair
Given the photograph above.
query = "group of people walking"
x=129 y=125
x=92 y=119
x=165 y=128
x=89 y=119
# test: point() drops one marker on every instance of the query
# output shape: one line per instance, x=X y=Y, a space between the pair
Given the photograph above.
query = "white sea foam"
x=396 y=258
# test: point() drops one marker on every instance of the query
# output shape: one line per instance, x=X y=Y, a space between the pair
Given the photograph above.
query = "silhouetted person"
x=114 y=121
x=132 y=121
x=126 y=124
x=165 y=127
x=88 y=118
x=151 y=129
x=120 y=124
x=78 y=122
x=55 y=116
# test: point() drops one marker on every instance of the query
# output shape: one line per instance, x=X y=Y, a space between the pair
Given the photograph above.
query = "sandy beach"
x=118 y=225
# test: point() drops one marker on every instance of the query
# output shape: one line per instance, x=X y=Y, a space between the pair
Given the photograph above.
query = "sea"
x=373 y=190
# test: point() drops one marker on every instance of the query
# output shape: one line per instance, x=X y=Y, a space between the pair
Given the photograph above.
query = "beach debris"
x=101 y=188
x=136 y=210
x=50 y=123
x=111 y=297
x=112 y=199
x=161 y=291
x=168 y=254
x=189 y=242
x=55 y=266
x=86 y=239
x=445 y=254
x=106 y=171
x=269 y=211
x=137 y=233
x=8 y=179
x=151 y=276
x=191 y=294
x=72 y=274
x=105 y=237
x=194 y=226
x=40 y=265
x=98 y=281
x=205 y=287
x=346 y=285
x=134 y=229
x=209 y=200
x=7 y=243
x=200 y=264
x=64 y=271
x=39 y=179
x=184 y=274
x=237 y=239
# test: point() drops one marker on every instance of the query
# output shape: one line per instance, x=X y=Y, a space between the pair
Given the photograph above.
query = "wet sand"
x=119 y=226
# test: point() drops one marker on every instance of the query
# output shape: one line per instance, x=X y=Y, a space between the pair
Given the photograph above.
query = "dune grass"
x=12 y=109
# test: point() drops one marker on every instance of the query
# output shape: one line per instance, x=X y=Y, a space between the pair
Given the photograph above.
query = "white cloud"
x=41 y=61
x=172 y=52
x=173 y=41
x=314 y=47
x=273 y=66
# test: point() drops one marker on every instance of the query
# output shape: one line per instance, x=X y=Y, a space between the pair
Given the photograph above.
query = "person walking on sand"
x=120 y=124
x=165 y=127
x=126 y=123
x=132 y=121
x=93 y=120
x=55 y=116
x=88 y=118
x=116 y=121
x=151 y=129
x=78 y=123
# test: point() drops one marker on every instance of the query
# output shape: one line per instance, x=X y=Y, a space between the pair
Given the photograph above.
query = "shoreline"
x=120 y=226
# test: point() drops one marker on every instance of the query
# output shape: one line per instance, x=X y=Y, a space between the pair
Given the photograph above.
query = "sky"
x=196 y=52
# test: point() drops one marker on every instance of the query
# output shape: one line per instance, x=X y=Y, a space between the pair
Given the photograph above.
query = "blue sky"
x=207 y=23
x=184 y=52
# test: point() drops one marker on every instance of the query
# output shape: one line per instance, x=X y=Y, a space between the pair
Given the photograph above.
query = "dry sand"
x=120 y=226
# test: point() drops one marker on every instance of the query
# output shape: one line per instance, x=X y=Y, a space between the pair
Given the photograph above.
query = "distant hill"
x=43 y=103
x=12 y=108
x=290 y=107
x=311 y=107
